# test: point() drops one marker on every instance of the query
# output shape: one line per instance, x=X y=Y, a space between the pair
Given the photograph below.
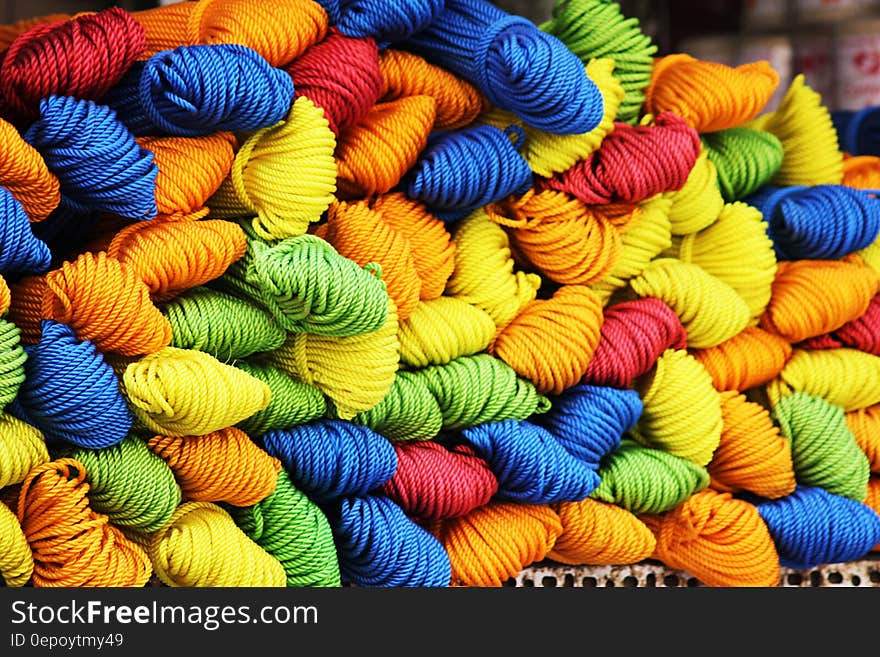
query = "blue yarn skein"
x=96 y=159
x=517 y=66
x=386 y=22
x=812 y=527
x=820 y=222
x=331 y=459
x=21 y=251
x=379 y=546
x=460 y=171
x=530 y=465
x=858 y=132
x=589 y=421
x=334 y=11
x=70 y=393
x=198 y=90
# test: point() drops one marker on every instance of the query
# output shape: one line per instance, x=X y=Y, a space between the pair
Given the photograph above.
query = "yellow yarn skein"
x=16 y=558
x=22 y=447
x=548 y=153
x=697 y=204
x=846 y=377
x=442 y=329
x=183 y=392
x=682 y=409
x=709 y=309
x=811 y=152
x=284 y=174
x=355 y=372
x=484 y=273
x=201 y=546
x=736 y=250
x=643 y=239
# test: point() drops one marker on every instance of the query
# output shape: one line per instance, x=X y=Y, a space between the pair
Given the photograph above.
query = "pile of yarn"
x=418 y=294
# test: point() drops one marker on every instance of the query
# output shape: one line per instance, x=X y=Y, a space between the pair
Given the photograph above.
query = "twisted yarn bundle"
x=301 y=293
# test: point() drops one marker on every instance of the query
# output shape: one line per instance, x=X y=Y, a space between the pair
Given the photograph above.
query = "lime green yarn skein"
x=647 y=480
x=235 y=279
x=310 y=288
x=292 y=402
x=408 y=412
x=597 y=28
x=220 y=324
x=475 y=389
x=824 y=451
x=12 y=358
x=745 y=159
x=128 y=483
x=294 y=530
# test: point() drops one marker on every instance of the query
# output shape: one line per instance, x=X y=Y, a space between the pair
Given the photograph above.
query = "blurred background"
x=834 y=43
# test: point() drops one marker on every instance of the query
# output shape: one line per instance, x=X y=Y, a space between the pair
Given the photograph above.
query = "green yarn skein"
x=235 y=279
x=128 y=483
x=471 y=390
x=408 y=412
x=745 y=159
x=220 y=324
x=310 y=288
x=293 y=402
x=824 y=452
x=647 y=480
x=12 y=359
x=594 y=29
x=294 y=530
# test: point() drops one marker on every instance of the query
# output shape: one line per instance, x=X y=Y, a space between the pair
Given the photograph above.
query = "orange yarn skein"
x=105 y=301
x=191 y=169
x=221 y=466
x=597 y=533
x=835 y=293
x=25 y=174
x=873 y=500
x=280 y=30
x=494 y=542
x=430 y=243
x=551 y=341
x=26 y=307
x=708 y=95
x=865 y=425
x=373 y=156
x=752 y=454
x=751 y=358
x=10 y=31
x=74 y=546
x=407 y=74
x=559 y=235
x=721 y=540
x=172 y=256
x=361 y=234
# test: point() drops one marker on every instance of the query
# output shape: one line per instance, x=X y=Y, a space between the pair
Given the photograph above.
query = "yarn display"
x=301 y=293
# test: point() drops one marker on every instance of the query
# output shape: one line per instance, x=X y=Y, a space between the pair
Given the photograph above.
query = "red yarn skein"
x=633 y=336
x=339 y=74
x=435 y=483
x=82 y=57
x=633 y=163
